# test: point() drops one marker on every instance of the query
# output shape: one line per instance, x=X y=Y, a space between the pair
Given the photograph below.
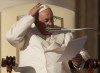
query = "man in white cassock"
x=39 y=48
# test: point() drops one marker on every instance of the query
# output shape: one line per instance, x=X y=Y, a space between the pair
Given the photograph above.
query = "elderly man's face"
x=46 y=17
x=45 y=20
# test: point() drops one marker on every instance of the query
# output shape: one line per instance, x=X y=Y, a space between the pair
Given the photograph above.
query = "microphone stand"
x=93 y=63
x=71 y=30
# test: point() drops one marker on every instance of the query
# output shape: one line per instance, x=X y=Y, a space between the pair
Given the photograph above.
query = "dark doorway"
x=99 y=35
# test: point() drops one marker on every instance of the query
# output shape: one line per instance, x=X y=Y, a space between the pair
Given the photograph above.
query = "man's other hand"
x=77 y=60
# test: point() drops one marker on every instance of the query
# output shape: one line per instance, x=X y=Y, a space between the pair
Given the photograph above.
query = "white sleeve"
x=17 y=32
x=85 y=55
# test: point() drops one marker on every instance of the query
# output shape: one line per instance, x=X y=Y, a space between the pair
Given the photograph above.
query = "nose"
x=50 y=23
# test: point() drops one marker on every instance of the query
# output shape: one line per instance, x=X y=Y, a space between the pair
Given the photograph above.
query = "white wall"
x=70 y=4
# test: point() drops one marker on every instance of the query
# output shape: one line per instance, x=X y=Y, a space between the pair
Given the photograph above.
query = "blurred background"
x=87 y=15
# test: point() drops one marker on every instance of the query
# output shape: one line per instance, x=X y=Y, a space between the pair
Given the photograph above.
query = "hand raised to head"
x=35 y=9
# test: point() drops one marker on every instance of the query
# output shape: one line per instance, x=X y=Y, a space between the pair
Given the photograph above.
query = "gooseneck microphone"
x=71 y=30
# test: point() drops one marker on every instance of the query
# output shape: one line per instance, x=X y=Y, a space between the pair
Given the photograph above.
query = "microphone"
x=71 y=30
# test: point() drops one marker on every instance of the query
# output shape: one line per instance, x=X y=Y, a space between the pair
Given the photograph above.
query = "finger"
x=38 y=5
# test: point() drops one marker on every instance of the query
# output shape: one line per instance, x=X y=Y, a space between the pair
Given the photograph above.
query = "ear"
x=36 y=16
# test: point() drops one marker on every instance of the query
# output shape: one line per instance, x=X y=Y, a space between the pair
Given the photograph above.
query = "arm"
x=80 y=59
x=18 y=31
x=16 y=34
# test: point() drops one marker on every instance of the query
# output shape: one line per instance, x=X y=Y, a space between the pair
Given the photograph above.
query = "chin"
x=46 y=33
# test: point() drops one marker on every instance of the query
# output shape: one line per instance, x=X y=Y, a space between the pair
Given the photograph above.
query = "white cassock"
x=36 y=50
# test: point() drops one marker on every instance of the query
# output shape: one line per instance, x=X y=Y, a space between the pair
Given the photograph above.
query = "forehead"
x=47 y=13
